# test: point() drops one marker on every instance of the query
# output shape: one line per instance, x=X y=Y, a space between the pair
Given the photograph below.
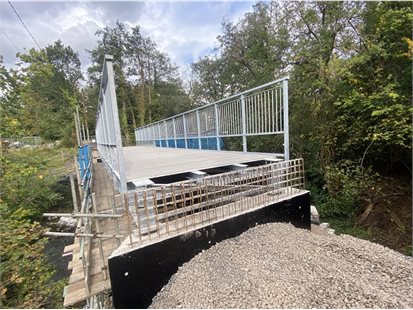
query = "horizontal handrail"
x=262 y=110
x=219 y=101
x=80 y=215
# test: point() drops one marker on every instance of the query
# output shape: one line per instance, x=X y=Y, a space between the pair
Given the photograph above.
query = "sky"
x=184 y=30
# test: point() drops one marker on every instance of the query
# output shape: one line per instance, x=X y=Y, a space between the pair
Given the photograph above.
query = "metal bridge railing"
x=164 y=211
x=108 y=135
x=262 y=110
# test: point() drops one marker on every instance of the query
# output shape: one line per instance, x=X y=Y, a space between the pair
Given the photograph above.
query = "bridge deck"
x=144 y=162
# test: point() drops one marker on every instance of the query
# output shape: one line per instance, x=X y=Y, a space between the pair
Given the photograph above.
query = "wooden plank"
x=107 y=250
x=77 y=274
x=70 y=247
x=75 y=296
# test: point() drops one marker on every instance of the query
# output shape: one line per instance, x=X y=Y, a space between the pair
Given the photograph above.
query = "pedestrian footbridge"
x=147 y=209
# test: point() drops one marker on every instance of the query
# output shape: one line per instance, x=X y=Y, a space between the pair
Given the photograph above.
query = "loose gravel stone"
x=279 y=266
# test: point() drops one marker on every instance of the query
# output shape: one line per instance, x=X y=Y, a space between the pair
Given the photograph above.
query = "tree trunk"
x=149 y=95
x=141 y=101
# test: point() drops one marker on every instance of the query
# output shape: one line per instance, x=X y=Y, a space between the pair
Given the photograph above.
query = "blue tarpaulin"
x=192 y=143
x=83 y=159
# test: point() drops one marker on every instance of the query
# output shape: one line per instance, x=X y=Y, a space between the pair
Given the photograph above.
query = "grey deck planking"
x=144 y=162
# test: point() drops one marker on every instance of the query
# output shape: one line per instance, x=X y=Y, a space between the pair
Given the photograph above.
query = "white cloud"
x=184 y=30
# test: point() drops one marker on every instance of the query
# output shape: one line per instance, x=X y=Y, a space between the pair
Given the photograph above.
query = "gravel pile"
x=279 y=266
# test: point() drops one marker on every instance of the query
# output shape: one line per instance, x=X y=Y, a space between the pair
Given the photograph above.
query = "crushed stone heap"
x=279 y=266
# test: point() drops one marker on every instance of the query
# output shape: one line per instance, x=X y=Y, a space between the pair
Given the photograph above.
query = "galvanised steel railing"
x=169 y=210
x=262 y=110
x=108 y=136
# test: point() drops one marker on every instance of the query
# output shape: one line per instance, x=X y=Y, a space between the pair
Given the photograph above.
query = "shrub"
x=344 y=186
x=25 y=275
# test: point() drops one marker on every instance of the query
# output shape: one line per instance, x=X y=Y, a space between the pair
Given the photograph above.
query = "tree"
x=112 y=41
x=142 y=73
x=11 y=109
x=42 y=93
x=374 y=110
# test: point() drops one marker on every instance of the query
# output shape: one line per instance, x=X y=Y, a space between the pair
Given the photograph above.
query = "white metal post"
x=198 y=126
x=285 y=115
x=115 y=115
x=153 y=135
x=160 y=134
x=185 y=134
x=79 y=126
x=84 y=134
x=244 y=126
x=166 y=133
x=77 y=130
x=217 y=127
x=173 y=125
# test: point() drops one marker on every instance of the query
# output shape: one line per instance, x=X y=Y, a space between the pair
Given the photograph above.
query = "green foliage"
x=39 y=96
x=27 y=178
x=374 y=109
x=25 y=275
x=349 y=91
x=10 y=105
x=344 y=186
x=27 y=183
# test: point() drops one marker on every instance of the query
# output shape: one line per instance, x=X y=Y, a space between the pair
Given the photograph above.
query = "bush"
x=27 y=183
x=25 y=275
x=27 y=180
x=345 y=184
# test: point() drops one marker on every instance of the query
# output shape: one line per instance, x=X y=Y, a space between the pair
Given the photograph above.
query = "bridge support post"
x=286 y=126
x=185 y=133
x=244 y=125
x=217 y=127
x=198 y=126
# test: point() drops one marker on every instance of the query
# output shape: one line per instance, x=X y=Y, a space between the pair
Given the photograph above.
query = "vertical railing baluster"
x=145 y=206
x=115 y=219
x=286 y=129
x=155 y=209
x=174 y=205
x=183 y=199
x=185 y=131
x=136 y=204
x=244 y=129
x=165 y=210
x=174 y=129
x=126 y=205
x=198 y=128
x=217 y=127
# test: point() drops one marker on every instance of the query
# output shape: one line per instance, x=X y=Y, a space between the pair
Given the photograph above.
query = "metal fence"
x=108 y=136
x=164 y=211
x=259 y=111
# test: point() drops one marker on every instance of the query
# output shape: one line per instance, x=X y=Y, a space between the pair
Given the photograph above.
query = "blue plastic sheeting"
x=171 y=143
x=209 y=144
x=180 y=143
x=192 y=143
x=83 y=159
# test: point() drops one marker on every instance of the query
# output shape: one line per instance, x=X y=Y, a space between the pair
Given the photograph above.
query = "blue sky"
x=185 y=30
